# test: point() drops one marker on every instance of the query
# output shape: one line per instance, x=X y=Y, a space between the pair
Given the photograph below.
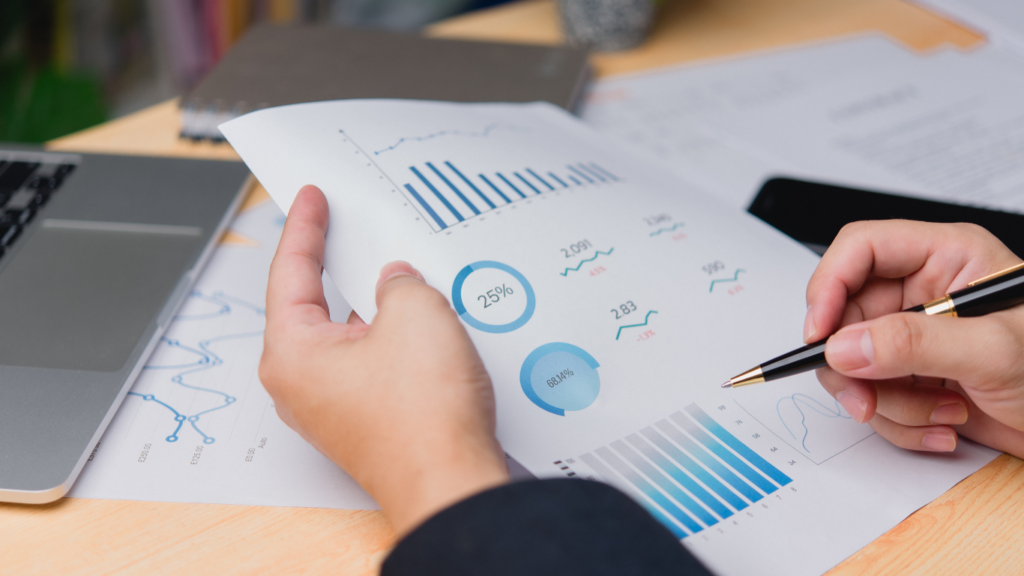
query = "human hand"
x=404 y=405
x=918 y=379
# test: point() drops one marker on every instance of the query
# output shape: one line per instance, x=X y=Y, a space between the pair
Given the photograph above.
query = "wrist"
x=423 y=478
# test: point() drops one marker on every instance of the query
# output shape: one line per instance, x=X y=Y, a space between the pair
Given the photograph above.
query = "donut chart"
x=500 y=299
x=560 y=377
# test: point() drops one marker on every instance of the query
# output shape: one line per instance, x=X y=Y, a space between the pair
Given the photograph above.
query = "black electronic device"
x=813 y=213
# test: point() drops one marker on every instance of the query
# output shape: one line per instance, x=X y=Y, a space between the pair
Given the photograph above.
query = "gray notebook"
x=278 y=65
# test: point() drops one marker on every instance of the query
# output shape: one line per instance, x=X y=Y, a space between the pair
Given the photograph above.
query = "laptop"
x=97 y=252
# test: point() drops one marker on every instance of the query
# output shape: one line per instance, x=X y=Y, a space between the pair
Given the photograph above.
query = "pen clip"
x=996 y=275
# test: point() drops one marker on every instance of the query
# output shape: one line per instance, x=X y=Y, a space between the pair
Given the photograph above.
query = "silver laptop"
x=96 y=254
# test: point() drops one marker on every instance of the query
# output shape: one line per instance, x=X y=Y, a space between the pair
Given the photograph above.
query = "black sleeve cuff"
x=556 y=527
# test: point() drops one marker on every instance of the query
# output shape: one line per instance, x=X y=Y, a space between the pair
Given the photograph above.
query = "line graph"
x=672 y=229
x=582 y=262
x=473 y=134
x=734 y=278
x=646 y=319
x=797 y=400
x=204 y=358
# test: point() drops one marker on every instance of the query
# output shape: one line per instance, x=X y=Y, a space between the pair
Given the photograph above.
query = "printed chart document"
x=197 y=425
x=609 y=300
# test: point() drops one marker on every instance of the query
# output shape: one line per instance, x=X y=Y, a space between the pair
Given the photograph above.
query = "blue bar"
x=679 y=476
x=722 y=452
x=527 y=182
x=740 y=448
x=709 y=461
x=591 y=172
x=470 y=184
x=542 y=181
x=573 y=178
x=693 y=468
x=664 y=483
x=454 y=189
x=603 y=171
x=608 y=475
x=495 y=188
x=440 y=197
x=511 y=185
x=580 y=174
x=426 y=206
x=557 y=179
x=648 y=490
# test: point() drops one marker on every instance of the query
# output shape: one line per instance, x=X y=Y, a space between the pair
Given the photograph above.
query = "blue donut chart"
x=460 y=307
x=583 y=387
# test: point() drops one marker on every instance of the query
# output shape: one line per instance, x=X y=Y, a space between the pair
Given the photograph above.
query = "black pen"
x=992 y=293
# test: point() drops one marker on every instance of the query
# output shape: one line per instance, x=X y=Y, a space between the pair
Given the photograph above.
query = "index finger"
x=295 y=284
x=933 y=258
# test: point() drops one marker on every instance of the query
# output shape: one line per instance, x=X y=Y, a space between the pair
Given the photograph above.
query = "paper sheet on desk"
x=1001 y=20
x=608 y=300
x=738 y=121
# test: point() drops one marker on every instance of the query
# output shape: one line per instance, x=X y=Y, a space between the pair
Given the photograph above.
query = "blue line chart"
x=206 y=358
x=646 y=318
x=799 y=399
x=734 y=278
x=481 y=134
x=582 y=262
x=667 y=229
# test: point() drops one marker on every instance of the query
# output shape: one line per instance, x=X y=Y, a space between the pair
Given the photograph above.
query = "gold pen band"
x=941 y=307
x=754 y=376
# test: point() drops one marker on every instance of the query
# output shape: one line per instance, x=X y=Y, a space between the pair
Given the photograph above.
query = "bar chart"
x=449 y=195
x=687 y=470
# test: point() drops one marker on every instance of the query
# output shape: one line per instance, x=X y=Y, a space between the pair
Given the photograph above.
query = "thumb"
x=918 y=344
x=403 y=296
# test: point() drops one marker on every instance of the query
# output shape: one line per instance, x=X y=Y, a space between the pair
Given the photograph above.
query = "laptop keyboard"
x=25 y=187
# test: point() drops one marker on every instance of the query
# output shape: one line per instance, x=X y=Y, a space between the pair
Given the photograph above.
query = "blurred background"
x=66 y=65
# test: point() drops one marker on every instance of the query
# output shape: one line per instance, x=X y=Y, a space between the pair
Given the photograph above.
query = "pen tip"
x=727 y=384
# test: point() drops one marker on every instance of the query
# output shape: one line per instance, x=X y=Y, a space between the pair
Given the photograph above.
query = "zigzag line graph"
x=646 y=318
x=206 y=359
x=582 y=262
x=734 y=278
x=797 y=400
x=667 y=229
x=482 y=134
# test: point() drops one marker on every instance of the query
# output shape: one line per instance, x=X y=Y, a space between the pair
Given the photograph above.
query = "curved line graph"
x=582 y=262
x=646 y=318
x=205 y=359
x=812 y=404
x=481 y=134
x=734 y=278
x=667 y=229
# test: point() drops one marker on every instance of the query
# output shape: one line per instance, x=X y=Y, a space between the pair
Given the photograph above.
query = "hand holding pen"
x=918 y=378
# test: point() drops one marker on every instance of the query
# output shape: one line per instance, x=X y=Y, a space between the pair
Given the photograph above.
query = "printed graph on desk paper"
x=195 y=366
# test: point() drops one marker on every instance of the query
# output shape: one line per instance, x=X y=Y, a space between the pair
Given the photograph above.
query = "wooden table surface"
x=975 y=528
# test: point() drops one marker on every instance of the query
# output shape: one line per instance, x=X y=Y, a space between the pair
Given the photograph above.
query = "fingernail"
x=850 y=350
x=810 y=329
x=855 y=406
x=939 y=442
x=951 y=414
x=396 y=269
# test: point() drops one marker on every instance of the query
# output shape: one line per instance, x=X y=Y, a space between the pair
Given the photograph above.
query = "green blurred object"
x=39 y=100
x=40 y=105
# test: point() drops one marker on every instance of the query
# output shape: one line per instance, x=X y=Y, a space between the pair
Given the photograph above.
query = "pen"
x=992 y=293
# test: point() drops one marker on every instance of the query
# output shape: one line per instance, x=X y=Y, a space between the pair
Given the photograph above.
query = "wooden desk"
x=975 y=528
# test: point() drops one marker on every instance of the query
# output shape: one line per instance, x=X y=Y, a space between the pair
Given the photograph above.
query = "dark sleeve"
x=542 y=527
